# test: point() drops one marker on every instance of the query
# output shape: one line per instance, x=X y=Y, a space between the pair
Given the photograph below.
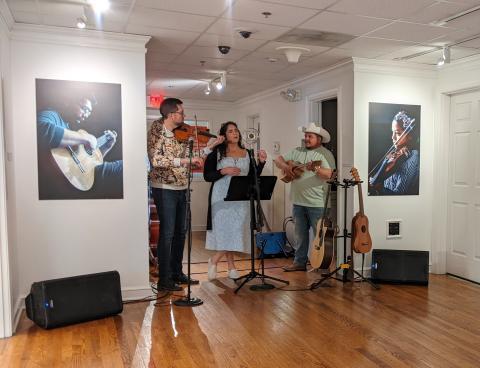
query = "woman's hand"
x=262 y=156
x=212 y=143
x=231 y=170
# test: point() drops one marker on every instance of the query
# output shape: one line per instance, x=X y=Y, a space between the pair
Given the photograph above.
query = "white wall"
x=5 y=254
x=63 y=238
x=397 y=83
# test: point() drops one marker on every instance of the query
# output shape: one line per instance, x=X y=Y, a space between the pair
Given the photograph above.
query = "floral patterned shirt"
x=165 y=152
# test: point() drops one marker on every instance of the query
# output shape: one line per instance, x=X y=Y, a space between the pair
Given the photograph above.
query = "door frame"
x=441 y=193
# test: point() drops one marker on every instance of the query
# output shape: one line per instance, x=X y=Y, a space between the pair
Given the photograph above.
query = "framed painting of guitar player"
x=79 y=140
x=393 y=149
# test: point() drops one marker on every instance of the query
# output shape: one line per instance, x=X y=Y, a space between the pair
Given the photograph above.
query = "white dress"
x=230 y=220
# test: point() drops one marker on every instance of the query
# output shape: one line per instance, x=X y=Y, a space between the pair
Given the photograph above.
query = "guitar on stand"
x=361 y=240
x=322 y=249
x=347 y=265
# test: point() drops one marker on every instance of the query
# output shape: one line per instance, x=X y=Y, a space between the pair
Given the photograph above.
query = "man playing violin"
x=399 y=170
x=308 y=191
x=169 y=159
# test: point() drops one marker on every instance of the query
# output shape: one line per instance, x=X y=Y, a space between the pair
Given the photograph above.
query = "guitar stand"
x=348 y=272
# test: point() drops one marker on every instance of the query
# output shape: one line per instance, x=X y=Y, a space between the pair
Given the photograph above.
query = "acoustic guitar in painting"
x=78 y=163
x=361 y=240
x=298 y=169
x=322 y=249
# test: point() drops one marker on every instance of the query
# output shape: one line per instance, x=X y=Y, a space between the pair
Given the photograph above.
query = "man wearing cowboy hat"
x=307 y=192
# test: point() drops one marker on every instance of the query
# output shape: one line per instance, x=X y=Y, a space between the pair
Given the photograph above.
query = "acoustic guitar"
x=361 y=240
x=297 y=168
x=78 y=163
x=322 y=249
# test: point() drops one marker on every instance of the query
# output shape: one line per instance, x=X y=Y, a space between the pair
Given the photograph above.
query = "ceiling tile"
x=210 y=63
x=235 y=41
x=475 y=43
x=324 y=60
x=257 y=66
x=159 y=56
x=157 y=45
x=355 y=52
x=282 y=15
x=28 y=6
x=437 y=12
x=456 y=53
x=312 y=4
x=230 y=27
x=164 y=35
x=361 y=44
x=344 y=23
x=454 y=37
x=469 y=21
x=406 y=52
x=390 y=9
x=411 y=32
x=203 y=7
x=26 y=17
x=170 y=20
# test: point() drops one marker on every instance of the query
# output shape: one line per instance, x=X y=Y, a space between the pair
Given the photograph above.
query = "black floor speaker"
x=61 y=302
x=400 y=266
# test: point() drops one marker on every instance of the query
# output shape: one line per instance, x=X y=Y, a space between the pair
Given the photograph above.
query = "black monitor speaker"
x=59 y=302
x=400 y=266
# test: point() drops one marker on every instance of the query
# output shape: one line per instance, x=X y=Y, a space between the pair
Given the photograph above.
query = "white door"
x=463 y=242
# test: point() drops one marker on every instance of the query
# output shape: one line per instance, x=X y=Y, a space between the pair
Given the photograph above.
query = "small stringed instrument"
x=78 y=163
x=322 y=249
x=297 y=168
x=361 y=240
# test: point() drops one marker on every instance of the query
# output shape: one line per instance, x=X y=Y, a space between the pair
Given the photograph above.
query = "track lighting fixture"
x=82 y=22
x=445 y=58
x=207 y=89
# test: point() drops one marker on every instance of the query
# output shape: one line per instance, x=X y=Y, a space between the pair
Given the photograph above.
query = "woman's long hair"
x=222 y=148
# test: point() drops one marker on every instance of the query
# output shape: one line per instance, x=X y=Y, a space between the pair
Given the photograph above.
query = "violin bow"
x=196 y=134
x=406 y=131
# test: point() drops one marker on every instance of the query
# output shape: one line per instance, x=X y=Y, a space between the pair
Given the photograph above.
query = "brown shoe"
x=294 y=267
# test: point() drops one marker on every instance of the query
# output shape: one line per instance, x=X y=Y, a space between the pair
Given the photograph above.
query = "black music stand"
x=242 y=189
x=349 y=272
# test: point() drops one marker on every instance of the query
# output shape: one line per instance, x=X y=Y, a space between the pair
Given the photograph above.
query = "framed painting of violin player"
x=79 y=140
x=393 y=149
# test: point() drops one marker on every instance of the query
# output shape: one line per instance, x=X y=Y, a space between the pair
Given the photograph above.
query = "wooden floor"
x=340 y=325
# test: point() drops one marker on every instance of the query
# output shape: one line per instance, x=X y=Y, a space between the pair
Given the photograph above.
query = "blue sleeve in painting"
x=50 y=127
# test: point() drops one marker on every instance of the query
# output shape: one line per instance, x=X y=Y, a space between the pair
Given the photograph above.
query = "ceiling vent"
x=308 y=37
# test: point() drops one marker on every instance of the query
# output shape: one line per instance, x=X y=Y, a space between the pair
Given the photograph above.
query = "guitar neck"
x=360 y=198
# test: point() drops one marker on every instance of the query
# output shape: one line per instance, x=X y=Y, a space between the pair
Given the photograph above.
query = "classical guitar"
x=297 y=169
x=78 y=163
x=322 y=249
x=361 y=240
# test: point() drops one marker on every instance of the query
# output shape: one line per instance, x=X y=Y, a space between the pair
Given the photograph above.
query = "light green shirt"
x=309 y=190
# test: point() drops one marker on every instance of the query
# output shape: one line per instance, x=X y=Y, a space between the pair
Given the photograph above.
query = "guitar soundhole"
x=364 y=229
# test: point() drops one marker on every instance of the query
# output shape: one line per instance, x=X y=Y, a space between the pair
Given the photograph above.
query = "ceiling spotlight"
x=81 y=22
x=99 y=6
x=445 y=58
x=207 y=89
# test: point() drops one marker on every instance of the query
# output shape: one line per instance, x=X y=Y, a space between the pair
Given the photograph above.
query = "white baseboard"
x=128 y=293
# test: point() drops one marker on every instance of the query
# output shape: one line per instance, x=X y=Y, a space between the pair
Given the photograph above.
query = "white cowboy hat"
x=313 y=128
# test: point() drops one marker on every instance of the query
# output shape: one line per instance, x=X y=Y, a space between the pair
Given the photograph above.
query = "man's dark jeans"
x=171 y=209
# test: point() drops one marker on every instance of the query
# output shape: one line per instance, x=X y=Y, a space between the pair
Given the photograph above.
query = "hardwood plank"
x=339 y=325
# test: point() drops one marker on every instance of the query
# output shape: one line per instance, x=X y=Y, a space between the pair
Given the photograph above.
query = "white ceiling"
x=183 y=53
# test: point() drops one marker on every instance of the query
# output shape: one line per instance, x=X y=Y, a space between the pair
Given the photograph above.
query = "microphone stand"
x=188 y=300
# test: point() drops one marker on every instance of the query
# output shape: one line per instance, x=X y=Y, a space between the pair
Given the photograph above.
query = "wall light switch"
x=276 y=147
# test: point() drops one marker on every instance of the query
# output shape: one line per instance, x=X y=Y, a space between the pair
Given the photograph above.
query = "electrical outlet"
x=276 y=147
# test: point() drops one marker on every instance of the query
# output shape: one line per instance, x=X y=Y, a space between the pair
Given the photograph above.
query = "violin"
x=184 y=132
x=395 y=158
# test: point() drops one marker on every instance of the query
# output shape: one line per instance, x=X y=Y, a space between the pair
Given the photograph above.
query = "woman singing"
x=228 y=222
